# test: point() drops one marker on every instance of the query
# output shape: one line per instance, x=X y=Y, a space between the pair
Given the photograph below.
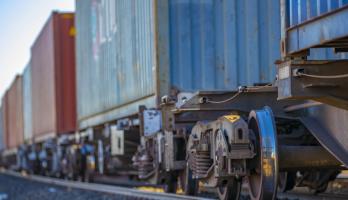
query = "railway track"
x=118 y=192
x=337 y=190
x=308 y=196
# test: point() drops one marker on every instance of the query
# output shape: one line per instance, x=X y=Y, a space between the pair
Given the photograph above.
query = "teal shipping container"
x=132 y=52
x=27 y=104
x=315 y=24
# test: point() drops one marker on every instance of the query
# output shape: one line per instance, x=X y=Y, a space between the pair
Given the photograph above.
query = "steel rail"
x=116 y=190
x=308 y=196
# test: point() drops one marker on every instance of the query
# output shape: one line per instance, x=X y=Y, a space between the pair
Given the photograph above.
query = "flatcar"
x=188 y=94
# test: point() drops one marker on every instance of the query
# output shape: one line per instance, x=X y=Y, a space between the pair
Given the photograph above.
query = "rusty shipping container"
x=13 y=103
x=53 y=78
x=2 y=132
x=4 y=118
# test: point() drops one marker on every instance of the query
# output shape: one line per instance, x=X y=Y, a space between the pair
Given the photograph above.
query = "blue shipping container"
x=303 y=10
x=314 y=24
x=130 y=52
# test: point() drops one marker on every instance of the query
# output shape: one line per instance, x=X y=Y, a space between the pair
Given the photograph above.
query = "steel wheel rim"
x=263 y=181
x=283 y=178
x=230 y=190
x=189 y=185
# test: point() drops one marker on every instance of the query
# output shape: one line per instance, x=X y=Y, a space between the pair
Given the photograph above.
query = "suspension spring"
x=200 y=164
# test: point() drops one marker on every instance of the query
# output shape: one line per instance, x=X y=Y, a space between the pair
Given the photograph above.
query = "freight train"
x=185 y=93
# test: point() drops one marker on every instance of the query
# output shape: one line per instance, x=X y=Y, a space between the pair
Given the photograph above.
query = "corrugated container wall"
x=129 y=50
x=27 y=104
x=14 y=114
x=115 y=60
x=2 y=132
x=222 y=44
x=302 y=11
x=53 y=77
x=4 y=118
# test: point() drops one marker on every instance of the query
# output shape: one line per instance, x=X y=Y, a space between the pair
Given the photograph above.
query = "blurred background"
x=21 y=22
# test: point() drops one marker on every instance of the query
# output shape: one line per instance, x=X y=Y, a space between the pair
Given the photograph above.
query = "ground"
x=12 y=188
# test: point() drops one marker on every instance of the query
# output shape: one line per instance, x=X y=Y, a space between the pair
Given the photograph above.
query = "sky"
x=20 y=23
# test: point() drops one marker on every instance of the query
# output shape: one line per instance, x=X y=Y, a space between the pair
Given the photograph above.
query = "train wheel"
x=88 y=176
x=287 y=181
x=188 y=184
x=320 y=189
x=170 y=184
x=229 y=190
x=263 y=178
x=318 y=181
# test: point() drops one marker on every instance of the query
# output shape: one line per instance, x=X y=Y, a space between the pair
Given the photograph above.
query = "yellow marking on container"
x=72 y=31
x=67 y=16
x=232 y=118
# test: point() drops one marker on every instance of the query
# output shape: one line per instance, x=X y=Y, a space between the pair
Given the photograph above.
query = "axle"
x=305 y=157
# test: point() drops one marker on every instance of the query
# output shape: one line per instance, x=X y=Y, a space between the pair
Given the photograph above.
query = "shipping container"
x=130 y=53
x=4 y=118
x=27 y=104
x=2 y=132
x=13 y=101
x=53 y=78
x=314 y=23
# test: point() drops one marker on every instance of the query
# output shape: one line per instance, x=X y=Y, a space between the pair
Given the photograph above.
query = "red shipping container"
x=13 y=114
x=4 y=119
x=53 y=78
